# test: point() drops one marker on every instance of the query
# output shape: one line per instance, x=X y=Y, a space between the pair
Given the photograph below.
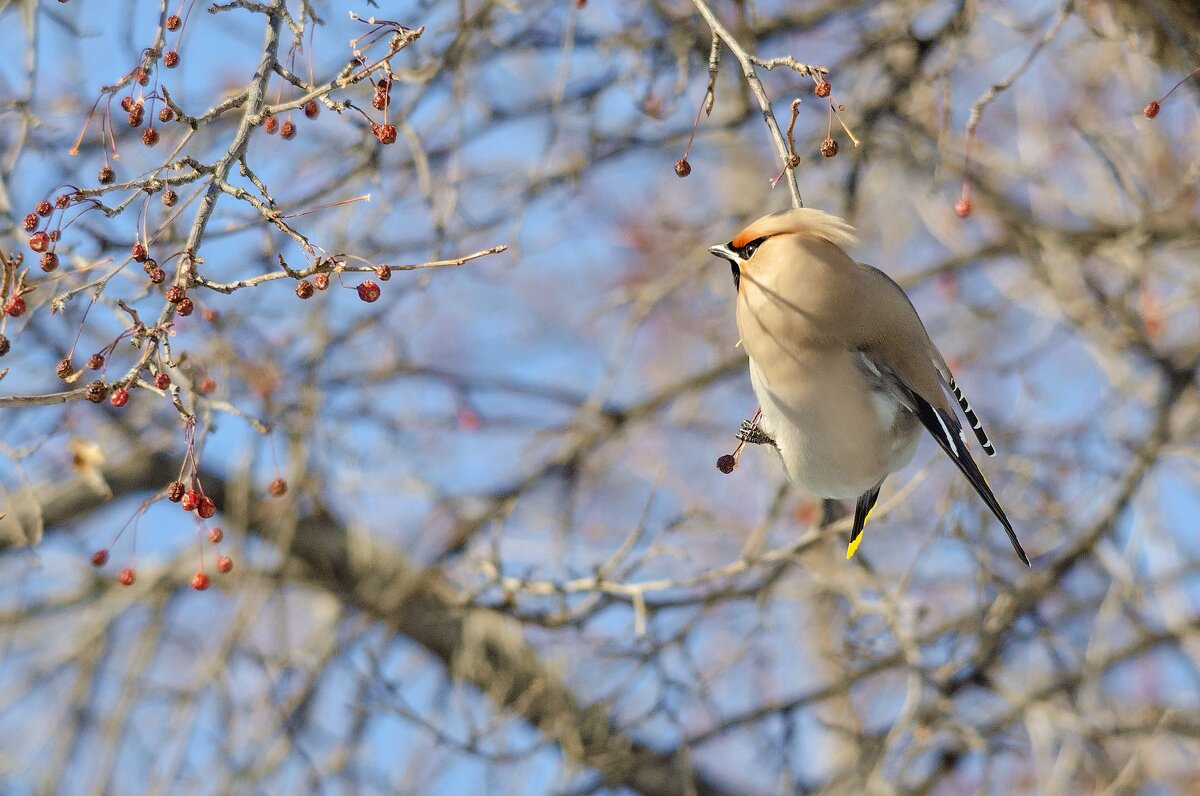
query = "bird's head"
x=753 y=245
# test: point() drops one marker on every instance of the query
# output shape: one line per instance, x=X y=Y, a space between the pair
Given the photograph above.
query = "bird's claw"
x=753 y=435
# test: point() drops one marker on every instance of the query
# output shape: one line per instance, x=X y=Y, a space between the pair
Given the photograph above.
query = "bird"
x=843 y=368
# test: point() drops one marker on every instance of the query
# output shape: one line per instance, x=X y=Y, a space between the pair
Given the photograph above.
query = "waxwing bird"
x=843 y=368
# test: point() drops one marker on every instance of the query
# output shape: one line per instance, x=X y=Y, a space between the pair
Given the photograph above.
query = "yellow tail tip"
x=852 y=548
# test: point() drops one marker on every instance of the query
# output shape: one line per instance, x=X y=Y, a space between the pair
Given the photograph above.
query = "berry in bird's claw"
x=15 y=306
x=823 y=88
x=270 y=124
x=99 y=558
x=170 y=59
x=1151 y=110
x=312 y=109
x=386 y=133
x=96 y=391
x=287 y=130
x=49 y=261
x=105 y=175
x=169 y=198
x=726 y=464
x=65 y=368
x=682 y=167
x=126 y=578
x=304 y=289
x=95 y=362
x=368 y=291
x=119 y=397
x=44 y=208
x=39 y=242
x=224 y=564
x=829 y=147
x=200 y=581
x=30 y=223
x=962 y=207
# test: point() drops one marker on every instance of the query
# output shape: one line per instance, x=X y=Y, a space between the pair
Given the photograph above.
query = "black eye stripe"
x=747 y=251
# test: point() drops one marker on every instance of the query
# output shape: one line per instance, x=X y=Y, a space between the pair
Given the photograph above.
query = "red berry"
x=95 y=362
x=682 y=168
x=270 y=124
x=4 y=345
x=119 y=397
x=157 y=275
x=173 y=22
x=170 y=59
x=1151 y=110
x=165 y=115
x=224 y=565
x=190 y=500
x=206 y=385
x=206 y=507
x=200 y=581
x=15 y=306
x=127 y=103
x=287 y=130
x=368 y=291
x=30 y=223
x=304 y=289
x=321 y=281
x=99 y=558
x=175 y=491
x=829 y=147
x=312 y=109
x=823 y=88
x=62 y=201
x=215 y=535
x=126 y=578
x=169 y=198
x=106 y=175
x=379 y=101
x=963 y=207
x=136 y=116
x=386 y=133
x=39 y=242
x=49 y=261
x=65 y=368
x=184 y=307
x=96 y=391
x=150 y=137
x=277 y=488
x=142 y=76
x=726 y=464
x=44 y=208
x=161 y=380
x=138 y=252
x=176 y=294
x=383 y=272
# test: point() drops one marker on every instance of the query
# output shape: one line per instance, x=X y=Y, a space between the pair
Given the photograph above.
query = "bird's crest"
x=804 y=221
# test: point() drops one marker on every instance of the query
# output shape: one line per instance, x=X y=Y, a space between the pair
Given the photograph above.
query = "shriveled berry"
x=379 y=101
x=15 y=306
x=119 y=397
x=39 y=241
x=368 y=291
x=127 y=103
x=165 y=114
x=726 y=464
x=157 y=275
x=386 y=133
x=176 y=294
x=206 y=385
x=384 y=85
x=190 y=500
x=829 y=147
x=5 y=346
x=206 y=507
x=150 y=137
x=215 y=535
x=823 y=88
x=304 y=289
x=1151 y=110
x=200 y=581
x=95 y=362
x=321 y=281
x=105 y=175
x=963 y=207
x=169 y=198
x=138 y=252
x=96 y=391
x=43 y=208
x=312 y=109
x=175 y=491
x=224 y=565
x=277 y=488
x=383 y=272
x=142 y=76
x=126 y=578
x=270 y=124
x=30 y=222
x=136 y=116
x=65 y=368
x=173 y=22
x=62 y=201
x=170 y=59
x=682 y=168
x=184 y=307
x=49 y=261
x=99 y=558
x=161 y=380
x=287 y=130
x=149 y=265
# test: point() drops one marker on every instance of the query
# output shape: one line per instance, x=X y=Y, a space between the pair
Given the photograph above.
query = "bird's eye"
x=750 y=248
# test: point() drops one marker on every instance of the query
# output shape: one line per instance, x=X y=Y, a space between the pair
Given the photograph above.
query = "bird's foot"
x=754 y=435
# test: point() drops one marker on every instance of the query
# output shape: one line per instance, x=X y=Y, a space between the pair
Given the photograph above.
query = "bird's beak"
x=723 y=251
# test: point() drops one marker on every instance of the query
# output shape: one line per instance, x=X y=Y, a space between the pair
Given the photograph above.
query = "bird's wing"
x=862 y=512
x=945 y=428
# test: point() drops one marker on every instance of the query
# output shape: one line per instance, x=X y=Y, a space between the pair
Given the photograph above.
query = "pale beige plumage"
x=842 y=365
